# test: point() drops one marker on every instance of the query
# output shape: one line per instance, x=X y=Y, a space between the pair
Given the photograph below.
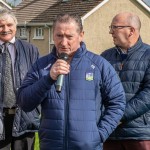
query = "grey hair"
x=4 y=12
x=66 y=18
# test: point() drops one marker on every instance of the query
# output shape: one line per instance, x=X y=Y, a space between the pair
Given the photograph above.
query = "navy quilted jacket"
x=73 y=118
x=134 y=72
x=26 y=55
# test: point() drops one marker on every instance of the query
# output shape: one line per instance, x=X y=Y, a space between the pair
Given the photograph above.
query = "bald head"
x=128 y=19
x=125 y=29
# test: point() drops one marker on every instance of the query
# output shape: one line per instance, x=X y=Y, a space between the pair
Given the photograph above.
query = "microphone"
x=60 y=78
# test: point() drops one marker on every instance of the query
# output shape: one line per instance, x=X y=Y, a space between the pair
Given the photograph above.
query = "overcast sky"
x=147 y=2
x=14 y=2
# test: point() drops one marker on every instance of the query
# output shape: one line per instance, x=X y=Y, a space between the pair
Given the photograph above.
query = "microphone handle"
x=59 y=82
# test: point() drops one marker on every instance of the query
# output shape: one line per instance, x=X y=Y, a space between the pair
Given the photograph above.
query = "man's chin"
x=115 y=42
x=5 y=38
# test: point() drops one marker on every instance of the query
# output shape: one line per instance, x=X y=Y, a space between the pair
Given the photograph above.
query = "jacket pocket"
x=146 y=118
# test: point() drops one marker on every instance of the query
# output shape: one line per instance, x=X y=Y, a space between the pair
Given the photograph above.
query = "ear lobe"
x=130 y=34
x=132 y=30
x=81 y=36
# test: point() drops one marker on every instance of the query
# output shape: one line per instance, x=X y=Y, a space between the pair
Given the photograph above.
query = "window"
x=38 y=33
x=51 y=40
x=23 y=32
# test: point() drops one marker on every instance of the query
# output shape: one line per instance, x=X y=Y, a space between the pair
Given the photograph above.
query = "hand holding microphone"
x=60 y=78
x=59 y=69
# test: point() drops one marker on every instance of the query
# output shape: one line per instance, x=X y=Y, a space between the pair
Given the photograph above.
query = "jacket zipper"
x=66 y=113
x=121 y=66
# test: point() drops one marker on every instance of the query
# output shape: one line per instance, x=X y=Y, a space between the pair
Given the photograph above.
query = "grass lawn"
x=36 y=146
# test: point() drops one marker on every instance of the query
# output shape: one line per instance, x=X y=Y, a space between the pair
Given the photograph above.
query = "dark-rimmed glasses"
x=113 y=27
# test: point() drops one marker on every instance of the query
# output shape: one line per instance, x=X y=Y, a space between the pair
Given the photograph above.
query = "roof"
x=31 y=9
x=44 y=11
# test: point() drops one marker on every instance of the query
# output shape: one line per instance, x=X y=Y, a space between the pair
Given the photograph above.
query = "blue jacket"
x=73 y=118
x=134 y=72
x=26 y=55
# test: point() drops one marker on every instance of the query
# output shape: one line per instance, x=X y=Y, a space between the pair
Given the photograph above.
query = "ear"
x=81 y=36
x=132 y=31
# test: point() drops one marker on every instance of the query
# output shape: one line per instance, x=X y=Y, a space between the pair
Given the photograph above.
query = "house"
x=35 y=20
x=5 y=5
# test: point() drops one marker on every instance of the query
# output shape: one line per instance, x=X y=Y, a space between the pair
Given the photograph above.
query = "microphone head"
x=63 y=56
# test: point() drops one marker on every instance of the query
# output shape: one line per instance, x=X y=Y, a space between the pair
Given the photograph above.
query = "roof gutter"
x=144 y=5
x=25 y=24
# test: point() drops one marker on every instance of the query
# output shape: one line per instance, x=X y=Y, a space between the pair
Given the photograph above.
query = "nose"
x=110 y=31
x=5 y=28
x=64 y=41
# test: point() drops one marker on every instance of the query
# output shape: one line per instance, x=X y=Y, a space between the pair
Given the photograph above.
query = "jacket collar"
x=135 y=47
x=80 y=51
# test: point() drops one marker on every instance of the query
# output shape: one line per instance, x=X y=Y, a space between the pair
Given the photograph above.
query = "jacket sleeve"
x=33 y=90
x=140 y=103
x=34 y=50
x=113 y=97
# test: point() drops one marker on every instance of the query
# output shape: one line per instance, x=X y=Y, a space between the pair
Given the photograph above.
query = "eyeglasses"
x=113 y=27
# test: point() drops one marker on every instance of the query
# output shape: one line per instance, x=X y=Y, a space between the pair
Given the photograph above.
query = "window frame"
x=39 y=33
x=23 y=32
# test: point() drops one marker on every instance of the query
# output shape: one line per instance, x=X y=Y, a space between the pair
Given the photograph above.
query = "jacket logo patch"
x=89 y=76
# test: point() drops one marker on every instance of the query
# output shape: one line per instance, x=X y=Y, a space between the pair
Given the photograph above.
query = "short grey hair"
x=4 y=12
x=66 y=18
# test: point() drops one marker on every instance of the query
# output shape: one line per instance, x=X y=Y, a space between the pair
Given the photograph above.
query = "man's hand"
x=59 y=67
